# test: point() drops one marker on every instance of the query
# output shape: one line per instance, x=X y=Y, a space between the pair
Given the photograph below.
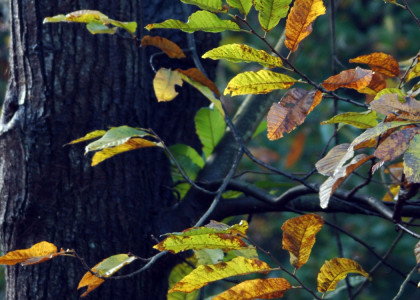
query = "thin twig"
x=411 y=13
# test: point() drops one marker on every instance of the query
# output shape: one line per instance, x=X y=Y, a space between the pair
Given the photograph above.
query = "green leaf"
x=399 y=92
x=261 y=82
x=210 y=5
x=270 y=12
x=260 y=128
x=209 y=256
x=210 y=127
x=244 y=6
x=412 y=160
x=242 y=53
x=200 y=20
x=179 y=272
x=99 y=28
x=89 y=136
x=362 y=120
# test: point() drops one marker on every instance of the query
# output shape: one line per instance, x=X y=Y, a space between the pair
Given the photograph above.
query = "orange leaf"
x=168 y=47
x=379 y=62
x=264 y=154
x=299 y=21
x=269 y=288
x=38 y=253
x=197 y=76
x=353 y=79
x=290 y=112
x=377 y=84
x=296 y=150
x=91 y=281
x=299 y=237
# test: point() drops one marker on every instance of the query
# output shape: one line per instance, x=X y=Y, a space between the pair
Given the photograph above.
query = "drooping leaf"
x=353 y=79
x=197 y=76
x=335 y=270
x=198 y=21
x=219 y=236
x=89 y=136
x=270 y=12
x=210 y=127
x=290 y=112
x=412 y=160
x=242 y=53
x=164 y=84
x=329 y=163
x=299 y=237
x=333 y=183
x=362 y=120
x=379 y=62
x=38 y=253
x=131 y=144
x=182 y=150
x=414 y=72
x=210 y=5
x=390 y=103
x=299 y=21
x=296 y=150
x=269 y=288
x=179 y=272
x=206 y=274
x=168 y=47
x=105 y=268
x=244 y=6
x=261 y=82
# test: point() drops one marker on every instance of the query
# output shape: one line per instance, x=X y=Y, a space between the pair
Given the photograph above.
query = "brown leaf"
x=377 y=84
x=299 y=237
x=390 y=103
x=38 y=253
x=168 y=47
x=290 y=112
x=417 y=253
x=379 y=62
x=196 y=75
x=299 y=21
x=296 y=150
x=266 y=155
x=353 y=79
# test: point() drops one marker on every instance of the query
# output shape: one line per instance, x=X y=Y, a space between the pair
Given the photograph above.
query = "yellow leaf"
x=168 y=47
x=414 y=72
x=391 y=193
x=299 y=21
x=164 y=84
x=335 y=270
x=89 y=136
x=38 y=253
x=299 y=237
x=269 y=288
x=179 y=272
x=379 y=62
x=353 y=79
x=105 y=268
x=261 y=82
x=206 y=274
x=131 y=144
x=412 y=160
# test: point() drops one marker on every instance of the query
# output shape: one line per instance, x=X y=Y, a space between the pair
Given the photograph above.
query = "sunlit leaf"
x=362 y=120
x=168 y=47
x=210 y=127
x=333 y=183
x=379 y=62
x=197 y=76
x=269 y=288
x=213 y=236
x=89 y=136
x=270 y=12
x=209 y=256
x=299 y=21
x=335 y=270
x=179 y=272
x=242 y=53
x=198 y=21
x=414 y=72
x=105 y=268
x=390 y=103
x=299 y=237
x=261 y=82
x=210 y=5
x=206 y=274
x=295 y=152
x=290 y=112
x=38 y=253
x=329 y=163
x=353 y=79
x=412 y=160
x=131 y=144
x=164 y=84
x=244 y=6
x=399 y=92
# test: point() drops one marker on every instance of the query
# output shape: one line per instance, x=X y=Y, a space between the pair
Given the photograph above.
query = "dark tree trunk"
x=64 y=83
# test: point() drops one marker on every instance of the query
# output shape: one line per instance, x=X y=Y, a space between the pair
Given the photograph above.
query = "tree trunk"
x=64 y=83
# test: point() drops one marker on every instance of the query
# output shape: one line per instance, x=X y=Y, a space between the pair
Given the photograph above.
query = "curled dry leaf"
x=335 y=270
x=329 y=163
x=269 y=288
x=38 y=253
x=197 y=76
x=206 y=274
x=353 y=79
x=168 y=47
x=376 y=85
x=164 y=84
x=299 y=21
x=299 y=237
x=386 y=104
x=379 y=62
x=292 y=110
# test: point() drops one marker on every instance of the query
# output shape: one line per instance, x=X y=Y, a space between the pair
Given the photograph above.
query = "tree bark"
x=64 y=83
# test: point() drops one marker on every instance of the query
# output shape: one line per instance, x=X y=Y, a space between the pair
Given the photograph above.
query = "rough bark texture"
x=65 y=83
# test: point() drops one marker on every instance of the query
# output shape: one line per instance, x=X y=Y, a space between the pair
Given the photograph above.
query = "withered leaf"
x=197 y=76
x=38 y=253
x=353 y=79
x=327 y=165
x=379 y=62
x=390 y=103
x=168 y=47
x=412 y=160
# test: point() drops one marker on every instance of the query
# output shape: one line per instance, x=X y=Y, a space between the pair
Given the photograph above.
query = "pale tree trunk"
x=64 y=83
